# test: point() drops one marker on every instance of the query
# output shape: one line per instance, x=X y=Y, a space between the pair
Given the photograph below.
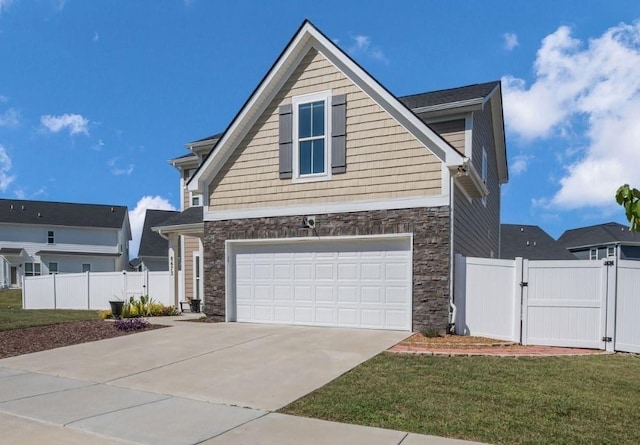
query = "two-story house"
x=329 y=201
x=41 y=237
x=602 y=241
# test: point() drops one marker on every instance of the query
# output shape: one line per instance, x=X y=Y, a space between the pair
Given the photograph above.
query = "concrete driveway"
x=187 y=384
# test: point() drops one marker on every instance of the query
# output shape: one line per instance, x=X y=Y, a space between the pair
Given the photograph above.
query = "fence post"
x=88 y=291
x=460 y=293
x=609 y=304
x=145 y=285
x=524 y=302
x=24 y=295
x=517 y=300
x=55 y=293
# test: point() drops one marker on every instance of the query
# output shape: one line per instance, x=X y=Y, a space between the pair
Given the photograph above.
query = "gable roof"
x=306 y=38
x=530 y=242
x=152 y=244
x=192 y=215
x=16 y=211
x=601 y=234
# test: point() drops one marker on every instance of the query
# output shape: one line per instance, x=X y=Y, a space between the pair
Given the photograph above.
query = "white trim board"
x=322 y=208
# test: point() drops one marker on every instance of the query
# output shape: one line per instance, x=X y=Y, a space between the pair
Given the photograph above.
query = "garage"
x=349 y=282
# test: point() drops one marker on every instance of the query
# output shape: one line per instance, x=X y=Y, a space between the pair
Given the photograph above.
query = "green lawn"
x=542 y=401
x=12 y=316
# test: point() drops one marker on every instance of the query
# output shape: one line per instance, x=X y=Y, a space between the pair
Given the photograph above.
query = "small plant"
x=431 y=333
x=131 y=324
x=105 y=315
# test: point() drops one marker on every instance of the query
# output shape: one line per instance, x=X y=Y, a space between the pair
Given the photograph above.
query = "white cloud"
x=590 y=92
x=75 y=123
x=98 y=145
x=519 y=164
x=123 y=171
x=10 y=118
x=510 y=40
x=136 y=218
x=5 y=166
x=3 y=99
x=96 y=36
x=362 y=46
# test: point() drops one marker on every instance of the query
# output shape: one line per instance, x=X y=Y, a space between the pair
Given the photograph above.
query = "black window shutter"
x=338 y=133
x=285 y=141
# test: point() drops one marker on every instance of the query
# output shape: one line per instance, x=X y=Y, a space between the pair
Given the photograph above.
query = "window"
x=86 y=267
x=484 y=173
x=50 y=237
x=195 y=200
x=310 y=136
x=53 y=268
x=31 y=269
x=593 y=253
x=611 y=251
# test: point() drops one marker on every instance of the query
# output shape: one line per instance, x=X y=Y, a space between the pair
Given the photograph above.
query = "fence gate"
x=568 y=303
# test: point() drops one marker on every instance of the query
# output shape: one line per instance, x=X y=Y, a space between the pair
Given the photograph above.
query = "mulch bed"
x=454 y=341
x=25 y=341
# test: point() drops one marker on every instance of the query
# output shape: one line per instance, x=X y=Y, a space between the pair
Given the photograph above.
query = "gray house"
x=530 y=242
x=601 y=241
x=154 y=249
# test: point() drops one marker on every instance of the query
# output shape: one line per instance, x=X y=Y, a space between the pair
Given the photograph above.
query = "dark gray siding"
x=476 y=226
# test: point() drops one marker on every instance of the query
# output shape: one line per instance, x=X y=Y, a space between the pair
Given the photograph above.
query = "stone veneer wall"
x=430 y=228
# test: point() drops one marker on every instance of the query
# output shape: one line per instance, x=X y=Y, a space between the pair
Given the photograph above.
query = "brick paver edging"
x=520 y=351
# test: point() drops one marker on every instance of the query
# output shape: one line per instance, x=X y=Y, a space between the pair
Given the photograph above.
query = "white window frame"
x=324 y=96
x=192 y=197
x=82 y=267
x=51 y=237
x=611 y=251
x=55 y=271
x=484 y=172
x=593 y=253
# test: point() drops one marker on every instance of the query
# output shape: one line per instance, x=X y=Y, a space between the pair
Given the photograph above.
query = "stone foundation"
x=430 y=228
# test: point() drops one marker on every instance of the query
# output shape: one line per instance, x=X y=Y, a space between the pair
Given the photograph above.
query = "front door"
x=14 y=276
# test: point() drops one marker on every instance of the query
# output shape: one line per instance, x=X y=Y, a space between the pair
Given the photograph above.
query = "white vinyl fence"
x=586 y=304
x=93 y=291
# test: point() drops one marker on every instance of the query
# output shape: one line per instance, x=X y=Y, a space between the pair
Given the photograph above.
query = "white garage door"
x=363 y=283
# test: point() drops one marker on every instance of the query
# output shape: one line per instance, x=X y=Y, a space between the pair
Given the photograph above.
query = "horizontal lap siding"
x=476 y=227
x=383 y=160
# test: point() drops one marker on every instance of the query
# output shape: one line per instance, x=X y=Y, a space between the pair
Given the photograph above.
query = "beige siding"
x=476 y=227
x=452 y=132
x=383 y=160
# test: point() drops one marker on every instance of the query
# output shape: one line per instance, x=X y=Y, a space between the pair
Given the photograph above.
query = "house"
x=530 y=242
x=329 y=201
x=153 y=251
x=43 y=237
x=602 y=241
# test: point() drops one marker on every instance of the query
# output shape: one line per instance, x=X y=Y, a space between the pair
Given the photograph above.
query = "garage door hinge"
x=607 y=339
x=524 y=284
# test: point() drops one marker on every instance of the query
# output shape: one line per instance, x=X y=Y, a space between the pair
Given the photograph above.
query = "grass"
x=541 y=401
x=12 y=316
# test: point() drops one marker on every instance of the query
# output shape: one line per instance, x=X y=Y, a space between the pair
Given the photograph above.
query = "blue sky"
x=96 y=96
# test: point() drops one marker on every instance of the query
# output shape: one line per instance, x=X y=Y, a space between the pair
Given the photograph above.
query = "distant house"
x=602 y=241
x=153 y=251
x=530 y=242
x=42 y=237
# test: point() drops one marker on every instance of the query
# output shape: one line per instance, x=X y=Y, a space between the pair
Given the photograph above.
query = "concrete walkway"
x=189 y=384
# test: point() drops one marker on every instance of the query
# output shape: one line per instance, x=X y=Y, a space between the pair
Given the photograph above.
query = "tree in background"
x=630 y=199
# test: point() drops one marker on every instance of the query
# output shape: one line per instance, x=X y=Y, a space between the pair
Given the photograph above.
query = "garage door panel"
x=352 y=283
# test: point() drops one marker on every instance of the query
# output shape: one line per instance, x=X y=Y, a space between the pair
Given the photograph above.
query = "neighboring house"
x=42 y=237
x=602 y=241
x=153 y=251
x=329 y=201
x=530 y=242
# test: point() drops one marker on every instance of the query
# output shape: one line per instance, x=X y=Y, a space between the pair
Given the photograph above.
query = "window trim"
x=193 y=196
x=324 y=96
x=33 y=272
x=55 y=271
x=593 y=253
x=611 y=251
x=51 y=237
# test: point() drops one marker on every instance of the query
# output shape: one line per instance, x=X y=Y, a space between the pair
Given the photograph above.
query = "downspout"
x=452 y=313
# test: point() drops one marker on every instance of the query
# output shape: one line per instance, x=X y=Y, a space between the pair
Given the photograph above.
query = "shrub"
x=131 y=324
x=146 y=307
x=104 y=315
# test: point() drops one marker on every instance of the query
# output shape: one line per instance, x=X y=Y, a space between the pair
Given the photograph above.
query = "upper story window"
x=611 y=251
x=484 y=173
x=50 y=237
x=593 y=253
x=195 y=200
x=53 y=267
x=311 y=141
x=86 y=267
